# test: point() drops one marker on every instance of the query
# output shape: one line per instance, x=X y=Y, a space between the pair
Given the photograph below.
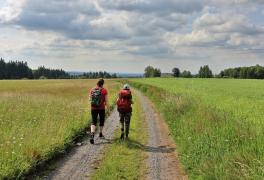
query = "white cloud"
x=223 y=29
x=154 y=6
x=11 y=10
x=149 y=30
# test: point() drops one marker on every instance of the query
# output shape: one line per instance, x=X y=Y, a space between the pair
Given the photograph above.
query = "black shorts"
x=95 y=113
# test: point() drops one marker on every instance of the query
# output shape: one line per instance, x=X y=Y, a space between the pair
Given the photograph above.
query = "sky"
x=128 y=35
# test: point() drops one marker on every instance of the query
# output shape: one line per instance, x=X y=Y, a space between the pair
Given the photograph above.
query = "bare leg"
x=93 y=128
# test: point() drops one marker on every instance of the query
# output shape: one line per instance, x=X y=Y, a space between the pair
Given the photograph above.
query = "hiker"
x=124 y=108
x=99 y=100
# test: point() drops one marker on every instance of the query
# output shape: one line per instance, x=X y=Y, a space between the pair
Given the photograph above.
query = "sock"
x=92 y=135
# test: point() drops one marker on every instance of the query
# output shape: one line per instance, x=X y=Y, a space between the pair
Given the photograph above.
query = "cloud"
x=226 y=23
x=175 y=30
x=236 y=2
x=154 y=6
x=11 y=10
x=220 y=29
x=92 y=20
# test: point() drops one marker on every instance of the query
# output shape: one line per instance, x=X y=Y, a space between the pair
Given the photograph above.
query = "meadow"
x=217 y=124
x=39 y=119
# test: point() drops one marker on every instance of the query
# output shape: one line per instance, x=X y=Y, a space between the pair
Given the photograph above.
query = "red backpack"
x=124 y=101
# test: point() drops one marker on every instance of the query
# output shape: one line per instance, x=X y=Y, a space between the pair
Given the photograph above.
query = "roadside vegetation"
x=217 y=124
x=39 y=119
x=125 y=159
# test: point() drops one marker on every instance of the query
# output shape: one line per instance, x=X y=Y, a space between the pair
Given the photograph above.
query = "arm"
x=106 y=100
x=130 y=98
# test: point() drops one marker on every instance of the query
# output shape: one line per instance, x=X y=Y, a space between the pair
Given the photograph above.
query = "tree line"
x=252 y=72
x=204 y=72
x=93 y=75
x=21 y=70
x=152 y=72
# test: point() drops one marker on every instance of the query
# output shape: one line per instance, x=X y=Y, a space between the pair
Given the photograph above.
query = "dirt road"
x=162 y=159
x=79 y=163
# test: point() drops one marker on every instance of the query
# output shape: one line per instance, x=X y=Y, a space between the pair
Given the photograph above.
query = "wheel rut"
x=162 y=161
x=80 y=162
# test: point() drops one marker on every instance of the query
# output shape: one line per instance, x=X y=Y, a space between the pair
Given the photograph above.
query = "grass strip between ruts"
x=125 y=159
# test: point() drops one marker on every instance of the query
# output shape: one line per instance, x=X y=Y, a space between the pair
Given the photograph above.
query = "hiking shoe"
x=122 y=136
x=92 y=138
x=92 y=141
x=101 y=135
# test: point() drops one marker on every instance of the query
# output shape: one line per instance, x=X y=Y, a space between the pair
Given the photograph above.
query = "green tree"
x=186 y=74
x=205 y=72
x=157 y=73
x=2 y=69
x=176 y=72
x=149 y=71
x=152 y=72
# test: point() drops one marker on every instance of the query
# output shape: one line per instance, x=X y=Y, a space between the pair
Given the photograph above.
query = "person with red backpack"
x=124 y=108
x=99 y=100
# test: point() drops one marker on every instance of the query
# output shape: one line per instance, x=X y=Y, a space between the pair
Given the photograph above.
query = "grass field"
x=217 y=124
x=125 y=159
x=41 y=118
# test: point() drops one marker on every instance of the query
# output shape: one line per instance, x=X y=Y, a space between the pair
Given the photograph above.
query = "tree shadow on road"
x=133 y=144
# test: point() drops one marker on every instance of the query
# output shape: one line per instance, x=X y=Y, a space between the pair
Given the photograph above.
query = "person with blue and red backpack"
x=124 y=108
x=99 y=101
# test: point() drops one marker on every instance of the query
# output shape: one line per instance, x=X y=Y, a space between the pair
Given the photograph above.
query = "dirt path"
x=162 y=159
x=79 y=163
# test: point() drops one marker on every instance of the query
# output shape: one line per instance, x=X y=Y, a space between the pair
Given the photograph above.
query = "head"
x=100 y=83
x=126 y=86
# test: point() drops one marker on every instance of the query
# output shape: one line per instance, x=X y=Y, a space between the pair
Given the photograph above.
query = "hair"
x=100 y=83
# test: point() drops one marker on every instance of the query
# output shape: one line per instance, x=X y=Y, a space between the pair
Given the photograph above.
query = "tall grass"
x=39 y=119
x=216 y=137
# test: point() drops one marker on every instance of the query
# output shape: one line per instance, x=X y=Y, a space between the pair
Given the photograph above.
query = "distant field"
x=39 y=118
x=217 y=124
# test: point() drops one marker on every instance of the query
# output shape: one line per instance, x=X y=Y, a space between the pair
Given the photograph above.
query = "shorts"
x=95 y=113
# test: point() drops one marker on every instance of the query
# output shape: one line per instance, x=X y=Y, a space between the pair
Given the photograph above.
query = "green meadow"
x=39 y=119
x=217 y=124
